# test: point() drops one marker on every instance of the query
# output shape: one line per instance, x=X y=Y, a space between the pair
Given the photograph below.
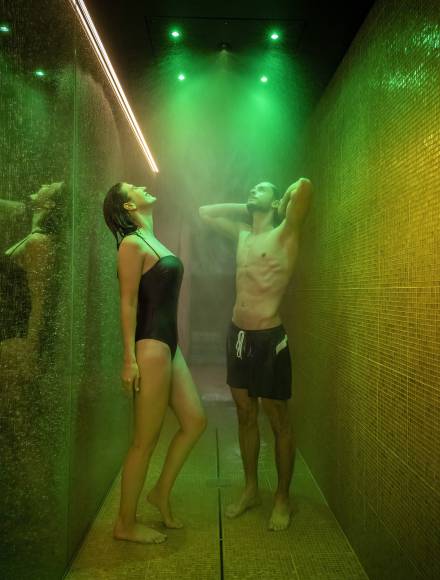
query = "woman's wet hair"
x=116 y=216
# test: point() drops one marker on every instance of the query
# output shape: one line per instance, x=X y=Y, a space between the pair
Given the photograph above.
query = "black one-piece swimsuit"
x=158 y=299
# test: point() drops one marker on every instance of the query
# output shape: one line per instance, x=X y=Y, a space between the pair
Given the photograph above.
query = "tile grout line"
x=369 y=359
x=219 y=496
x=335 y=519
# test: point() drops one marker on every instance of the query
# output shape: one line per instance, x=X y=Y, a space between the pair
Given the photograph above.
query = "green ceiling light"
x=5 y=28
x=275 y=36
x=264 y=79
x=40 y=73
x=175 y=33
x=181 y=77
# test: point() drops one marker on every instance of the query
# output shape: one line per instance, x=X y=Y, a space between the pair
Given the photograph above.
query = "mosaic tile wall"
x=366 y=296
x=64 y=423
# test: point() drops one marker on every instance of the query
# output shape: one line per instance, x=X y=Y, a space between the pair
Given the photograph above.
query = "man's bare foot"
x=248 y=500
x=163 y=505
x=137 y=533
x=280 y=518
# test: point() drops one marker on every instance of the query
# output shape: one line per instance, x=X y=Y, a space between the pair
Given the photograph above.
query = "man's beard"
x=254 y=207
x=251 y=207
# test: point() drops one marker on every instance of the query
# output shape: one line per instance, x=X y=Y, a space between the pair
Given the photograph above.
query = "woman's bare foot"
x=137 y=533
x=163 y=505
x=280 y=518
x=248 y=500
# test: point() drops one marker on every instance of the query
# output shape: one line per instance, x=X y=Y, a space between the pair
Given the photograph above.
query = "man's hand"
x=284 y=202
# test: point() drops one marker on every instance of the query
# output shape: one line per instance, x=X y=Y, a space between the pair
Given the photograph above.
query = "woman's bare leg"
x=186 y=404
x=150 y=404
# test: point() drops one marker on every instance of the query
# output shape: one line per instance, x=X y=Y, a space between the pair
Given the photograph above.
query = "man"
x=258 y=357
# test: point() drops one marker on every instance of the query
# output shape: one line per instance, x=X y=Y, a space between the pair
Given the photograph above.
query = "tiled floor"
x=212 y=546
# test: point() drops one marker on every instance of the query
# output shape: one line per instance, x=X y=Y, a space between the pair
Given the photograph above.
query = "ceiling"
x=318 y=33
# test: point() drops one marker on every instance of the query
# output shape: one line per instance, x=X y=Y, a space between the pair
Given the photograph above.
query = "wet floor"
x=212 y=546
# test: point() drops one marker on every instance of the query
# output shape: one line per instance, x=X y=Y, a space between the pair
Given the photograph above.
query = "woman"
x=29 y=311
x=27 y=281
x=154 y=369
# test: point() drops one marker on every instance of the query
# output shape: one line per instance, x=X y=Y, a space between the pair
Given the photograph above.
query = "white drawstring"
x=239 y=344
x=281 y=345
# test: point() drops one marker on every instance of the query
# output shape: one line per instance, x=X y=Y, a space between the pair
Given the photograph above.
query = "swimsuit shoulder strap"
x=148 y=244
x=15 y=247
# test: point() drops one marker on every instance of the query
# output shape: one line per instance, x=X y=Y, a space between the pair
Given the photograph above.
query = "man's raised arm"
x=226 y=218
x=295 y=204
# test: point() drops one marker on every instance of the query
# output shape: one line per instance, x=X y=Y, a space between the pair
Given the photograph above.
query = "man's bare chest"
x=261 y=253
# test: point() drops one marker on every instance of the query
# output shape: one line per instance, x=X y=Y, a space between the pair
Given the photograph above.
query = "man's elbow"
x=306 y=184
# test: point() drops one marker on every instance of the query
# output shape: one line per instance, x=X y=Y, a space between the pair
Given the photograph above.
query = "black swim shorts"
x=259 y=361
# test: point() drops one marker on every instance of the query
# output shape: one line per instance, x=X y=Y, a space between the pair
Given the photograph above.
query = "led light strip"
x=99 y=49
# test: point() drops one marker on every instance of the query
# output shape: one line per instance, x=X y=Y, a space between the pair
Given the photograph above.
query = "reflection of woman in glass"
x=26 y=274
x=154 y=369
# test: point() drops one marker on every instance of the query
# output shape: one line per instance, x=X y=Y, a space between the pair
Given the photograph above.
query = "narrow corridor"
x=212 y=546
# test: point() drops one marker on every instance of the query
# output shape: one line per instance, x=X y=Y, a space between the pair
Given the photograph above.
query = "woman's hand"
x=130 y=377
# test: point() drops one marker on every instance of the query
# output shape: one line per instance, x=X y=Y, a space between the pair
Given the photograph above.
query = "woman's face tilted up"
x=42 y=199
x=139 y=196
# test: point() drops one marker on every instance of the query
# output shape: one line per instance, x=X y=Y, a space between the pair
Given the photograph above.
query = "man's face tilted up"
x=262 y=198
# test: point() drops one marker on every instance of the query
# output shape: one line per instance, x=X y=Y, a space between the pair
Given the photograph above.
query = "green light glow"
x=40 y=73
x=175 y=33
x=5 y=28
x=181 y=77
x=275 y=36
x=264 y=79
